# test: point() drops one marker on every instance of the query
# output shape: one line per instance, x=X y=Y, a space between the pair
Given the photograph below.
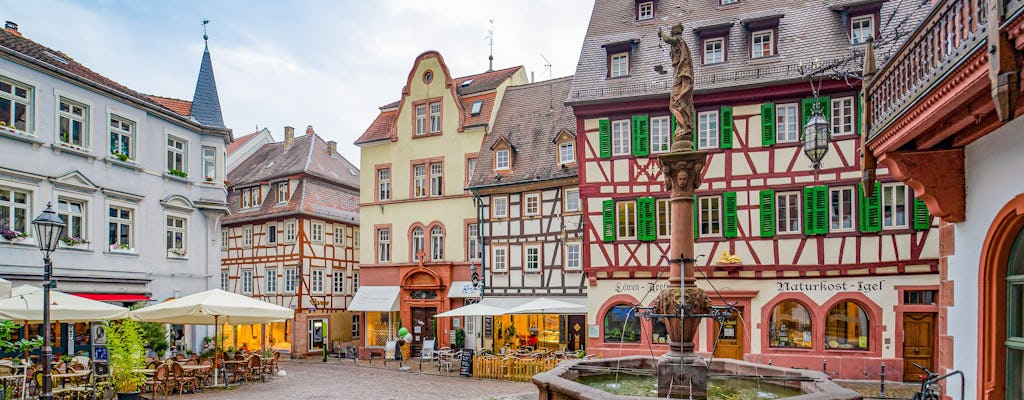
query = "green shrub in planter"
x=127 y=354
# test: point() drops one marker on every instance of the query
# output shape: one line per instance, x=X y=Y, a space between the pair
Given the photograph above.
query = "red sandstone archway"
x=995 y=253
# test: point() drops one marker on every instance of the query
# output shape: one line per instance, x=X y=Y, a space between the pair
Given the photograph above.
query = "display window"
x=380 y=326
x=621 y=325
x=847 y=327
x=790 y=326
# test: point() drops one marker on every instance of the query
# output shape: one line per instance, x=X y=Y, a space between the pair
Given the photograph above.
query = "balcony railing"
x=951 y=32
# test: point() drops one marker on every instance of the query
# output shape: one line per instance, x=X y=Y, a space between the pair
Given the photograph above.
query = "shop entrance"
x=730 y=336
x=576 y=325
x=422 y=326
x=918 y=344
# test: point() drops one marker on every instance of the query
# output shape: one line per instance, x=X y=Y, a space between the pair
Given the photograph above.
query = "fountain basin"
x=561 y=382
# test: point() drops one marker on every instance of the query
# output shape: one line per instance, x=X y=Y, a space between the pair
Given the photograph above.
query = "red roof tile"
x=381 y=127
x=183 y=107
x=484 y=116
x=239 y=141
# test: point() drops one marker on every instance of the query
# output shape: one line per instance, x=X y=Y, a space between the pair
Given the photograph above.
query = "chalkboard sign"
x=488 y=326
x=466 y=367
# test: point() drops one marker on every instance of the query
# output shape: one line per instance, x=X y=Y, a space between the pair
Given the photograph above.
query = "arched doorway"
x=1001 y=361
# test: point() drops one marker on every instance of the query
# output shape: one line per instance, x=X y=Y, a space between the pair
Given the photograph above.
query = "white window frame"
x=860 y=34
x=622 y=138
x=714 y=204
x=499 y=205
x=470 y=169
x=27 y=103
x=436 y=243
x=176 y=157
x=787 y=123
x=499 y=258
x=71 y=116
x=532 y=258
x=316 y=280
x=473 y=242
x=419 y=180
x=418 y=241
x=421 y=119
x=758 y=43
x=625 y=219
x=124 y=129
x=176 y=230
x=224 y=238
x=531 y=210
x=316 y=232
x=572 y=205
x=289 y=232
x=502 y=161
x=707 y=129
x=566 y=153
x=663 y=217
x=339 y=236
x=383 y=184
x=246 y=277
x=73 y=219
x=836 y=215
x=787 y=203
x=435 y=117
x=618 y=65
x=223 y=280
x=843 y=116
x=247 y=237
x=645 y=10
x=383 y=245
x=209 y=154
x=573 y=256
x=290 y=279
x=660 y=134
x=121 y=222
x=890 y=203
x=272 y=234
x=337 y=281
x=271 y=278
x=283 y=193
x=714 y=50
x=436 y=179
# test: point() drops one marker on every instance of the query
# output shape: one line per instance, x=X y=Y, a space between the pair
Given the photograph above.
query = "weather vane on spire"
x=490 y=38
x=205 y=38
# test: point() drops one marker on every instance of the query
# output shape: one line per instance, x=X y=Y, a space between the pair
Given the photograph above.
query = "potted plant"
x=11 y=234
x=127 y=354
x=460 y=339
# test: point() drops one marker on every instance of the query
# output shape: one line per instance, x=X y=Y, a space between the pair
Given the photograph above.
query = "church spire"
x=205 y=102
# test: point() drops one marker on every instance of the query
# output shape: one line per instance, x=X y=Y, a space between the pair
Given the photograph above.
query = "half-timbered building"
x=531 y=216
x=945 y=118
x=822 y=273
x=292 y=239
x=420 y=152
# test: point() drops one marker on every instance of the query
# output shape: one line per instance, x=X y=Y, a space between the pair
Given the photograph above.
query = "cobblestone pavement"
x=316 y=381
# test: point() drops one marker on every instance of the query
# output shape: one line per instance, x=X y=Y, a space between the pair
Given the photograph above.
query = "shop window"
x=1015 y=319
x=847 y=327
x=621 y=324
x=790 y=326
x=659 y=332
x=926 y=297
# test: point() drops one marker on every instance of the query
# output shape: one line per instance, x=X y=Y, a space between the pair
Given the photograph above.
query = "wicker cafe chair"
x=181 y=379
x=160 y=381
x=253 y=369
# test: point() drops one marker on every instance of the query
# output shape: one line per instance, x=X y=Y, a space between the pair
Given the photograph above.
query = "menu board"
x=488 y=326
x=466 y=367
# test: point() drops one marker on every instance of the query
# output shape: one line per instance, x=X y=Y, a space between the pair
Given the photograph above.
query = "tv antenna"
x=547 y=65
x=490 y=39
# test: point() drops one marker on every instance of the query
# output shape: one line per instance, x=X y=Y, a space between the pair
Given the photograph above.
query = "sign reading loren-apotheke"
x=828 y=286
x=640 y=287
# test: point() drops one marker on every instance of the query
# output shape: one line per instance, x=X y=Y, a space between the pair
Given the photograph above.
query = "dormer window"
x=566 y=153
x=727 y=2
x=862 y=28
x=477 y=106
x=714 y=50
x=762 y=44
x=502 y=160
x=644 y=10
x=619 y=65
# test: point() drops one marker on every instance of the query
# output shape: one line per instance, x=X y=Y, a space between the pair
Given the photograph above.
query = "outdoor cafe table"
x=146 y=371
x=67 y=376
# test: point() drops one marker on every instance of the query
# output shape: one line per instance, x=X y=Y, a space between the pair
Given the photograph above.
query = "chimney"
x=309 y=130
x=11 y=28
x=289 y=137
x=332 y=147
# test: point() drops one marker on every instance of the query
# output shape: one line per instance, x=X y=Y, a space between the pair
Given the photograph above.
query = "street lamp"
x=817 y=135
x=49 y=228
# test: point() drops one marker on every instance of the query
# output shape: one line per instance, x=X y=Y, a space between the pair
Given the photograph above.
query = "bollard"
x=824 y=366
x=881 y=393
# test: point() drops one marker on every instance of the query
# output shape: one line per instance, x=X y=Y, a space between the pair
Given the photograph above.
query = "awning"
x=5 y=288
x=510 y=302
x=463 y=289
x=113 y=297
x=375 y=298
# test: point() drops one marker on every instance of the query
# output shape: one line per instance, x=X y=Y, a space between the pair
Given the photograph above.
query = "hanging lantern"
x=816 y=138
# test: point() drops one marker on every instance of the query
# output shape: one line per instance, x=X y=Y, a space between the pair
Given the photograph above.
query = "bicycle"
x=929 y=378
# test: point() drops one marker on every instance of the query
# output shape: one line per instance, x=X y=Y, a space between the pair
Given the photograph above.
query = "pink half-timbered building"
x=823 y=274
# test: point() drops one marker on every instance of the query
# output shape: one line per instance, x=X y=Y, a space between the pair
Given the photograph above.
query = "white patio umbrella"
x=5 y=288
x=214 y=307
x=472 y=310
x=546 y=305
x=26 y=305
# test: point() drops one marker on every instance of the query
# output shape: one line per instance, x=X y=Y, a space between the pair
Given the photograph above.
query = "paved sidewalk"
x=338 y=380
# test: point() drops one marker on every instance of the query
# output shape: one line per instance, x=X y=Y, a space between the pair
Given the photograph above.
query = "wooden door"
x=421 y=327
x=576 y=326
x=730 y=337
x=918 y=344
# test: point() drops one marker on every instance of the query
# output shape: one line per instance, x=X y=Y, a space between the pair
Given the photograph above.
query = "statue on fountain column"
x=681 y=100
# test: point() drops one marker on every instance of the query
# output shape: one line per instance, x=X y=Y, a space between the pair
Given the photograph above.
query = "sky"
x=329 y=64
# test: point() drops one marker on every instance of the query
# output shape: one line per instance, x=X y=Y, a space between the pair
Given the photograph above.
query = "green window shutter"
x=810 y=206
x=725 y=125
x=768 y=124
x=806 y=107
x=608 y=213
x=922 y=218
x=870 y=210
x=696 y=220
x=821 y=210
x=645 y=211
x=605 y=138
x=672 y=129
x=858 y=114
x=767 y=213
x=826 y=107
x=729 y=228
x=641 y=135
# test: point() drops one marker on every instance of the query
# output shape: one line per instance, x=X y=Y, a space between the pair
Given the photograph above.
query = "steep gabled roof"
x=239 y=141
x=205 y=101
x=311 y=196
x=529 y=119
x=308 y=155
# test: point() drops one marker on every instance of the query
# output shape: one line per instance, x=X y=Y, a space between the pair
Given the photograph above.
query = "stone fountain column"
x=681 y=373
